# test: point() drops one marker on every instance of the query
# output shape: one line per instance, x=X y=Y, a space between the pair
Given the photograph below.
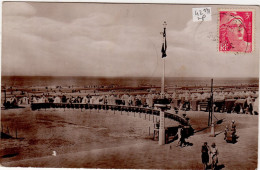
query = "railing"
x=146 y=110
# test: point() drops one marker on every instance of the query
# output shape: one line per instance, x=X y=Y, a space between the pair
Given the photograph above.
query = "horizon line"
x=120 y=76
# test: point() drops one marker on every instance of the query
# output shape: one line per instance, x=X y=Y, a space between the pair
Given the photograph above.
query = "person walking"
x=205 y=154
x=181 y=137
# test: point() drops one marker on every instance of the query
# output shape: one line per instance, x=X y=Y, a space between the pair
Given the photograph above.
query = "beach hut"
x=239 y=105
x=193 y=96
x=249 y=105
x=101 y=99
x=249 y=100
x=133 y=100
x=91 y=100
x=229 y=105
x=236 y=95
x=218 y=96
x=256 y=106
x=24 y=100
x=175 y=103
x=95 y=100
x=64 y=99
x=200 y=96
x=255 y=95
x=203 y=105
x=149 y=100
x=41 y=99
x=124 y=98
x=34 y=100
x=194 y=104
x=222 y=95
x=186 y=96
x=226 y=94
x=138 y=100
x=84 y=100
x=57 y=99
x=113 y=100
x=109 y=99
x=219 y=104
x=143 y=100
x=167 y=96
x=138 y=97
x=173 y=95
x=230 y=95
x=130 y=100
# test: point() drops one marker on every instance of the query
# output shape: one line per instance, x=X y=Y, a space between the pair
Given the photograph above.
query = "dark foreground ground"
x=107 y=140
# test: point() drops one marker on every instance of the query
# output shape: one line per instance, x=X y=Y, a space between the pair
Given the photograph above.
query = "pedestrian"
x=233 y=126
x=214 y=155
x=225 y=133
x=181 y=137
x=205 y=154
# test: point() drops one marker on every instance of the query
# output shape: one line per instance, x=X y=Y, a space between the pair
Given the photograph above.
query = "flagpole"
x=163 y=75
x=163 y=58
x=162 y=106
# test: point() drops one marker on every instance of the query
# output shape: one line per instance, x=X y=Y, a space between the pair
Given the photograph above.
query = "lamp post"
x=211 y=110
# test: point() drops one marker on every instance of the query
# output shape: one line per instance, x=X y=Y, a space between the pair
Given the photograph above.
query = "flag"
x=163 y=50
x=164 y=44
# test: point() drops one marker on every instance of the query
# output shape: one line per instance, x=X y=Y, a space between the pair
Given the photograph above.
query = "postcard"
x=129 y=85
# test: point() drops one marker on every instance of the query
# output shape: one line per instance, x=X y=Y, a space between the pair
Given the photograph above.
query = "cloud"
x=40 y=45
x=193 y=52
x=18 y=9
x=94 y=19
x=101 y=45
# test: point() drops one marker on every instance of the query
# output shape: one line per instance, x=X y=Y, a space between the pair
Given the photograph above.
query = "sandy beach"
x=108 y=139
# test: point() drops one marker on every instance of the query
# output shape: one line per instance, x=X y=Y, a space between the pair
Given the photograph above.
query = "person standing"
x=214 y=155
x=233 y=126
x=205 y=154
x=225 y=132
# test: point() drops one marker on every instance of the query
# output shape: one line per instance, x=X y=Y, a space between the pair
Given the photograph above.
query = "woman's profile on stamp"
x=235 y=31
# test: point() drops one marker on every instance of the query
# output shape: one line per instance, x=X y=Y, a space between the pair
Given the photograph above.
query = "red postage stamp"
x=236 y=30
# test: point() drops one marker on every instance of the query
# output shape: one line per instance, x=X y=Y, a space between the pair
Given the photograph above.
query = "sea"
x=79 y=81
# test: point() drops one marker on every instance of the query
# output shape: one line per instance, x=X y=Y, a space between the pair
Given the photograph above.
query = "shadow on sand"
x=17 y=107
x=218 y=167
x=184 y=144
x=218 y=122
x=10 y=155
x=202 y=129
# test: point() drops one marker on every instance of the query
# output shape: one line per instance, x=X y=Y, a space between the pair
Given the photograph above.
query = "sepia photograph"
x=129 y=85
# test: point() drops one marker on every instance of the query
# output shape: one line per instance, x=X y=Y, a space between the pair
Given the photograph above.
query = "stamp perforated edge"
x=253 y=28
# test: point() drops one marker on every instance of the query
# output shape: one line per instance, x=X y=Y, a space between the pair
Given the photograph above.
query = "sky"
x=94 y=39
